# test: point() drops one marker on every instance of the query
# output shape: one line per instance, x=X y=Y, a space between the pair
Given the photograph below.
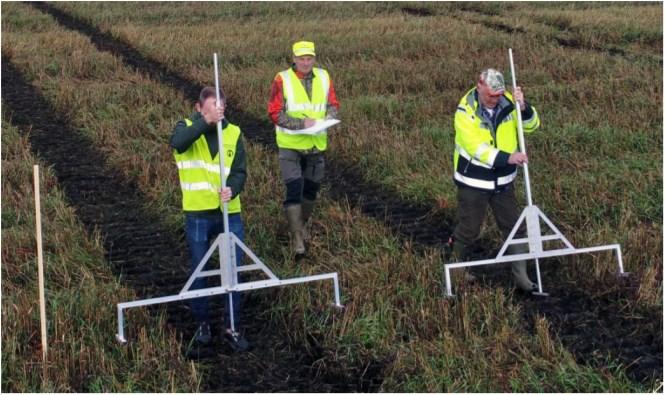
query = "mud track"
x=417 y=11
x=565 y=42
x=593 y=327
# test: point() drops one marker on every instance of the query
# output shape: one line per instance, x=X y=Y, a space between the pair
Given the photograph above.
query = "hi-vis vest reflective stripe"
x=477 y=146
x=298 y=105
x=199 y=173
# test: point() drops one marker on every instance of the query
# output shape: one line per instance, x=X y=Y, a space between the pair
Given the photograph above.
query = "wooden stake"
x=40 y=265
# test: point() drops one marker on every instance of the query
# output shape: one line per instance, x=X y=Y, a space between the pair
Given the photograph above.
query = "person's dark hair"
x=208 y=92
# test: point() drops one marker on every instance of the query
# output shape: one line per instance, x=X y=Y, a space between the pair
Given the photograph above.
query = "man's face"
x=304 y=64
x=208 y=105
x=487 y=97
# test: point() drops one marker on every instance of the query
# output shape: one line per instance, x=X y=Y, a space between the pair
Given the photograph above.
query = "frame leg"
x=230 y=271
x=120 y=336
x=621 y=273
x=540 y=283
x=338 y=303
x=233 y=324
x=449 y=290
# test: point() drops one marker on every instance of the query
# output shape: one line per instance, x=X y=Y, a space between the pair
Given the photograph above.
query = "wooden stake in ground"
x=40 y=264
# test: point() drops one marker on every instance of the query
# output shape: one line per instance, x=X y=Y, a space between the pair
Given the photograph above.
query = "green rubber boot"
x=294 y=217
x=520 y=276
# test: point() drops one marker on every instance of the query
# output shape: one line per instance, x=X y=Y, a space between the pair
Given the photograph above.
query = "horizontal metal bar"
x=223 y=290
x=247 y=268
x=209 y=273
x=520 y=257
x=172 y=298
x=543 y=238
x=275 y=283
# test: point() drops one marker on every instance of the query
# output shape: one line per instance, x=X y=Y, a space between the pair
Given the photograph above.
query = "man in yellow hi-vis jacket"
x=299 y=96
x=485 y=164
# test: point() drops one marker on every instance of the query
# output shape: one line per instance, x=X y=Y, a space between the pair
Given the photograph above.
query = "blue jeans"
x=201 y=231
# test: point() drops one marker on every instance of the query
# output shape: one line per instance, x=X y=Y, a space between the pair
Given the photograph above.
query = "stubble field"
x=92 y=91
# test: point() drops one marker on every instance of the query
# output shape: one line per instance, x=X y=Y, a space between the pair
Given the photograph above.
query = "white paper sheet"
x=318 y=127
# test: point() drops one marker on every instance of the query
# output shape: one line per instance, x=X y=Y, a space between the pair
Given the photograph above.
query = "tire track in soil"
x=153 y=259
x=593 y=327
x=570 y=43
x=567 y=308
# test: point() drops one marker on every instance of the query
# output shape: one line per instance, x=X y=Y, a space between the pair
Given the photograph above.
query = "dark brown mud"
x=594 y=326
x=417 y=11
x=635 y=340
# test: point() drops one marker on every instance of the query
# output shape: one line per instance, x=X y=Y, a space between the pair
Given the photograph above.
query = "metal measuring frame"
x=535 y=238
x=225 y=244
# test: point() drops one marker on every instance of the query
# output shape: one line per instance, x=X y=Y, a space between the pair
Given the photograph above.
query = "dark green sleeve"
x=238 y=174
x=528 y=110
x=184 y=136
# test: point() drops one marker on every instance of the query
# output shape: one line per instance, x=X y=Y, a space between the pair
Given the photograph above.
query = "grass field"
x=82 y=292
x=398 y=89
x=596 y=170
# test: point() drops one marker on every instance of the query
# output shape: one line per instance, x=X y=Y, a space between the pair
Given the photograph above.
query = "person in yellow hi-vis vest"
x=485 y=166
x=197 y=155
x=299 y=96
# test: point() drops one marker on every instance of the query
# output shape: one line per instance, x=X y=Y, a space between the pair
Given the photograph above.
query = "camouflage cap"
x=493 y=79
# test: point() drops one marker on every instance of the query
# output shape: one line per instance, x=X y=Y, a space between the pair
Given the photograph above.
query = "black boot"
x=203 y=335
x=236 y=341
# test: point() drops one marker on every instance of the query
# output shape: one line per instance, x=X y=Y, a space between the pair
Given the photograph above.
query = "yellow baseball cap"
x=302 y=48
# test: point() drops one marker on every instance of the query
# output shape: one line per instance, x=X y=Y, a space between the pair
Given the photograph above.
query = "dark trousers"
x=302 y=173
x=472 y=208
x=201 y=231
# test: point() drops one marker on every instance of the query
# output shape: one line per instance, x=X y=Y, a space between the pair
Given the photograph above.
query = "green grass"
x=81 y=294
x=395 y=73
x=399 y=78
